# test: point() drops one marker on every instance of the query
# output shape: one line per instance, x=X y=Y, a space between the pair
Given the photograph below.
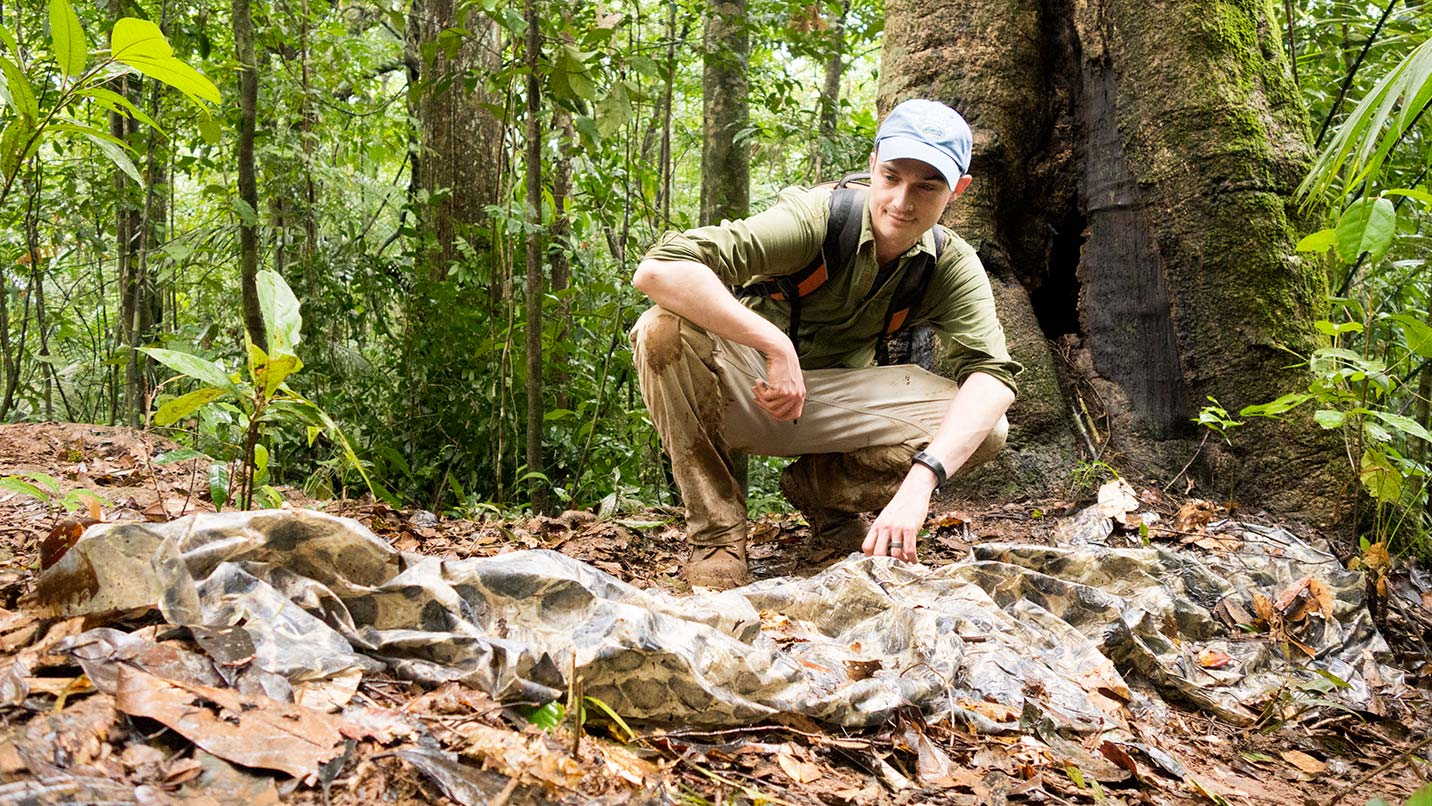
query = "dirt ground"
x=63 y=741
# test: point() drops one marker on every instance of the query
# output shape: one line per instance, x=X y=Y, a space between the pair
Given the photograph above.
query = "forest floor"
x=62 y=741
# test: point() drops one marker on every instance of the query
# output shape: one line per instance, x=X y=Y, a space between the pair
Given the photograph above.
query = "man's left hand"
x=896 y=530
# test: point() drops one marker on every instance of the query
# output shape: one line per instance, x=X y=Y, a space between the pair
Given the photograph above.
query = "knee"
x=656 y=338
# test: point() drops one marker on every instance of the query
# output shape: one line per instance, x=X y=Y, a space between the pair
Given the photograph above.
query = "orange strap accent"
x=896 y=320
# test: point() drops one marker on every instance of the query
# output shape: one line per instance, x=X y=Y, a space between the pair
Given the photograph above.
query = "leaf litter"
x=372 y=731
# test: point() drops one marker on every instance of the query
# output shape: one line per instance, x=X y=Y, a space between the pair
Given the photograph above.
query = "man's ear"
x=960 y=185
x=872 y=163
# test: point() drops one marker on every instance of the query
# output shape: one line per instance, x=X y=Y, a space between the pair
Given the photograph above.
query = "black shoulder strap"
x=908 y=296
x=842 y=236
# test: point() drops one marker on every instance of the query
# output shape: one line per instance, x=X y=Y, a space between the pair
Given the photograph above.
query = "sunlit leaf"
x=1406 y=425
x=177 y=456
x=114 y=102
x=184 y=405
x=22 y=96
x=281 y=312
x=141 y=45
x=1411 y=193
x=68 y=36
x=1380 y=478
x=1277 y=407
x=16 y=485
x=1329 y=418
x=191 y=365
x=1320 y=241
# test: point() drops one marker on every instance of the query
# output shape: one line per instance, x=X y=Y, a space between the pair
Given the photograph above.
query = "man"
x=719 y=376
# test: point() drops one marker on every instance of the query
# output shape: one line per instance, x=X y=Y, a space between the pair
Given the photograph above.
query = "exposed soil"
x=64 y=742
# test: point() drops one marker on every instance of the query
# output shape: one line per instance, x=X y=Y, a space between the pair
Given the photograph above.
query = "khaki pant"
x=854 y=437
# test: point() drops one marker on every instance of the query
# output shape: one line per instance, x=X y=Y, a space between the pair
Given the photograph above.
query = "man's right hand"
x=782 y=394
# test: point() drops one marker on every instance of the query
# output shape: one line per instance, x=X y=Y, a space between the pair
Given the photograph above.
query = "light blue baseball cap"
x=927 y=131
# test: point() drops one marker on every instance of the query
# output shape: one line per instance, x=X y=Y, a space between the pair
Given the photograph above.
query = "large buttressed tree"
x=1134 y=167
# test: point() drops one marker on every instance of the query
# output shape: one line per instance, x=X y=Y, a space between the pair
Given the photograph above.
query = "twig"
x=1387 y=765
x=506 y=793
x=1191 y=459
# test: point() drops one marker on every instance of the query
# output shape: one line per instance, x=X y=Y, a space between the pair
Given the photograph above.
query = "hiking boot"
x=843 y=532
x=719 y=567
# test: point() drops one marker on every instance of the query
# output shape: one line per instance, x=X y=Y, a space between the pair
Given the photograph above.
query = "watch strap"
x=922 y=458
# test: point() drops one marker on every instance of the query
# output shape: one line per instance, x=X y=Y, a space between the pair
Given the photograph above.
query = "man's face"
x=907 y=197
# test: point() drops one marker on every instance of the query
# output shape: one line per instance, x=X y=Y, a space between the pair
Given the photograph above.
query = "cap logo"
x=932 y=131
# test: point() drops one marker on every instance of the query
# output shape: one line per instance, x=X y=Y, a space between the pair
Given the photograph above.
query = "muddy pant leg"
x=678 y=375
x=830 y=488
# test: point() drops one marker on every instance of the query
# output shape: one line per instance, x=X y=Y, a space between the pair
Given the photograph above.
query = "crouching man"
x=783 y=366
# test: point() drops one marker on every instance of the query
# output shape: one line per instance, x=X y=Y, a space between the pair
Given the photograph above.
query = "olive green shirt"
x=841 y=320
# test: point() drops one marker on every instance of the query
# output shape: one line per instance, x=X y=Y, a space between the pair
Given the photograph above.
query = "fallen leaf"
x=515 y=754
x=1213 y=659
x=862 y=669
x=329 y=693
x=996 y=711
x=1117 y=499
x=1194 y=515
x=1304 y=762
x=379 y=724
x=627 y=765
x=802 y=772
x=251 y=730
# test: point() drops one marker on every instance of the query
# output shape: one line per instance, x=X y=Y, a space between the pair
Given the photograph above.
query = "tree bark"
x=830 y=91
x=248 y=186
x=461 y=149
x=535 y=279
x=1135 y=165
x=725 y=162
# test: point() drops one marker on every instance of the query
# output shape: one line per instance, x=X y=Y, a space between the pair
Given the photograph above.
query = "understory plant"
x=259 y=398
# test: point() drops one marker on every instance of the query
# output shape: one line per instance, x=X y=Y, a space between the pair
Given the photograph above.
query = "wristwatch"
x=922 y=458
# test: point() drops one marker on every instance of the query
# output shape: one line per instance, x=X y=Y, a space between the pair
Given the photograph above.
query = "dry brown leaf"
x=1120 y=757
x=996 y=711
x=247 y=729
x=379 y=724
x=515 y=754
x=1321 y=597
x=1194 y=515
x=862 y=669
x=1285 y=601
x=625 y=764
x=329 y=693
x=1304 y=762
x=1376 y=557
x=802 y=772
x=1263 y=607
x=1117 y=499
x=1213 y=659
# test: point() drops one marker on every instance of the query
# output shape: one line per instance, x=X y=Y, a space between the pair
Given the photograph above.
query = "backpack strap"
x=842 y=235
x=908 y=296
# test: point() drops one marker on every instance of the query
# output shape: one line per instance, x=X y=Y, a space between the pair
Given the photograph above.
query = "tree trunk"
x=1134 y=168
x=460 y=158
x=561 y=253
x=248 y=186
x=535 y=285
x=830 y=92
x=725 y=163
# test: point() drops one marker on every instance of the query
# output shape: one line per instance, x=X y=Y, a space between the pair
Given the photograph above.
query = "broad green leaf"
x=281 y=314
x=118 y=157
x=1406 y=425
x=272 y=498
x=1417 y=333
x=141 y=45
x=1380 y=478
x=245 y=212
x=1368 y=225
x=47 y=481
x=22 y=487
x=71 y=48
x=1420 y=195
x=184 y=405
x=18 y=87
x=258 y=359
x=7 y=38
x=261 y=457
x=276 y=370
x=1320 y=241
x=16 y=144
x=1329 y=418
x=1277 y=407
x=192 y=366
x=219 y=485
x=181 y=455
x=1337 y=328
x=313 y=432
x=114 y=102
